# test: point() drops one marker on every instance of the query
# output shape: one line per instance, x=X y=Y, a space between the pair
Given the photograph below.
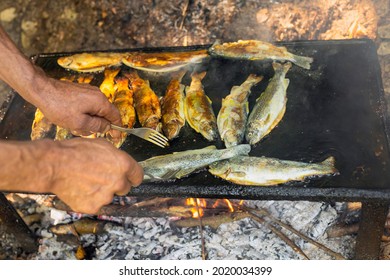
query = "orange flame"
x=199 y=205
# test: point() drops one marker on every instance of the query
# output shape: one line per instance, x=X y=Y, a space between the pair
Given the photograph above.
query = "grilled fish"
x=172 y=107
x=146 y=102
x=262 y=171
x=270 y=106
x=258 y=50
x=163 y=61
x=91 y=62
x=41 y=126
x=123 y=101
x=198 y=110
x=108 y=86
x=232 y=117
x=180 y=164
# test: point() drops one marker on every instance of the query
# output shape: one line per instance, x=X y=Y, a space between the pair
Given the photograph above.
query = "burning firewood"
x=213 y=221
x=142 y=209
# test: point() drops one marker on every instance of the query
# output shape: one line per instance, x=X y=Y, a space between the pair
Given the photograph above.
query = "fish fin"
x=284 y=67
x=330 y=162
x=179 y=75
x=184 y=172
x=200 y=75
x=182 y=88
x=234 y=88
x=254 y=79
x=238 y=174
x=286 y=82
x=302 y=61
x=211 y=147
x=208 y=98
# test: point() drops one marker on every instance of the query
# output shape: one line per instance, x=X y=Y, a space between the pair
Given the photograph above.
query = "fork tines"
x=158 y=139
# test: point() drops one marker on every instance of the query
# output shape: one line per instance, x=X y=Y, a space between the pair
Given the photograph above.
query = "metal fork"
x=145 y=133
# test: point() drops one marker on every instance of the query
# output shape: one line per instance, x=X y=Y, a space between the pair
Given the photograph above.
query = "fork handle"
x=116 y=127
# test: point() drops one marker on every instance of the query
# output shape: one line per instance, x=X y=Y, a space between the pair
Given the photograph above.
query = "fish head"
x=65 y=61
x=209 y=130
x=231 y=138
x=255 y=132
x=220 y=168
x=171 y=130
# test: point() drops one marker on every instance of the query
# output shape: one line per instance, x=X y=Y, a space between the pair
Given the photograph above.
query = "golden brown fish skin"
x=108 y=86
x=172 y=107
x=161 y=61
x=258 y=50
x=146 y=102
x=123 y=101
x=41 y=126
x=270 y=106
x=232 y=116
x=198 y=110
x=262 y=171
x=91 y=62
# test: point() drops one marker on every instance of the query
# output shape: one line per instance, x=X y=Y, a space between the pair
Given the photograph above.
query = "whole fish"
x=146 y=102
x=108 y=86
x=163 y=61
x=232 y=116
x=198 y=110
x=172 y=107
x=41 y=126
x=262 y=171
x=180 y=164
x=258 y=50
x=123 y=101
x=270 y=106
x=91 y=62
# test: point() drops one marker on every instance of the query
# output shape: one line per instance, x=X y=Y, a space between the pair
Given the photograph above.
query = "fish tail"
x=281 y=67
x=199 y=75
x=330 y=164
x=233 y=151
x=302 y=61
x=254 y=79
x=179 y=75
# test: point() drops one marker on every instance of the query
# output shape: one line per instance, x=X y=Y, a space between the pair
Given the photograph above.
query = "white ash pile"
x=148 y=238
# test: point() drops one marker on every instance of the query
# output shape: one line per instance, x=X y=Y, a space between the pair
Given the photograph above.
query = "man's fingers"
x=109 y=112
x=124 y=191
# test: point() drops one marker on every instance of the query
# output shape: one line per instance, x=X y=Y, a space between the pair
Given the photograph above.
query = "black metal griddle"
x=336 y=108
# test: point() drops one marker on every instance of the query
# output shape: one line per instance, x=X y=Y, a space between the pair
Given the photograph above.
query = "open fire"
x=199 y=205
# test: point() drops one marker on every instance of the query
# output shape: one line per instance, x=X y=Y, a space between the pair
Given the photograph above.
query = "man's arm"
x=83 y=173
x=79 y=107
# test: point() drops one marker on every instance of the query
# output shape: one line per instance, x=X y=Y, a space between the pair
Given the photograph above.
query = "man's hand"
x=82 y=108
x=83 y=173
x=87 y=173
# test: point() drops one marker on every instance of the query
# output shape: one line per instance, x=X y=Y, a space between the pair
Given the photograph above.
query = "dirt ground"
x=59 y=26
x=46 y=26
